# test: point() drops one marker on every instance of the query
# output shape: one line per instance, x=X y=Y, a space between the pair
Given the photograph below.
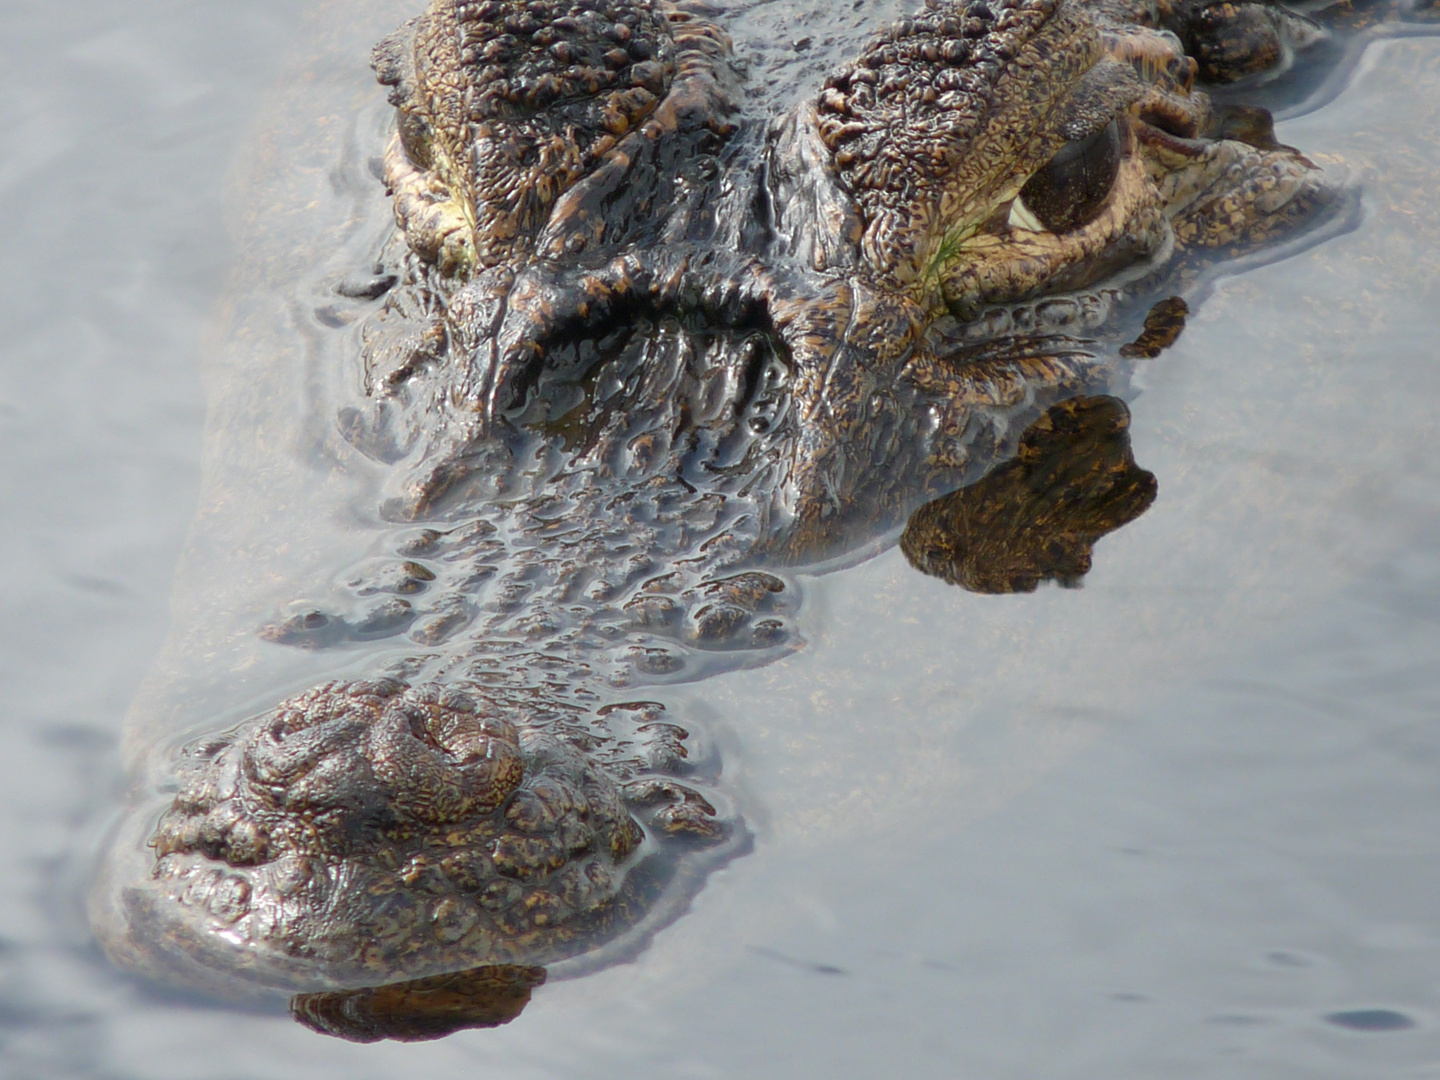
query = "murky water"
x=1180 y=822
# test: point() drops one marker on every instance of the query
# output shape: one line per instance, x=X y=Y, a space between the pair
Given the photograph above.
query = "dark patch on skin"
x=1163 y=325
x=1249 y=124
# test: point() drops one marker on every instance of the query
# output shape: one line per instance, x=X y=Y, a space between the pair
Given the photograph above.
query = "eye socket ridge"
x=1073 y=187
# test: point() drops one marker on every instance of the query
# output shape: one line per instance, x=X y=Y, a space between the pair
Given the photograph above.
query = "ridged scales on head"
x=946 y=114
x=503 y=108
x=922 y=158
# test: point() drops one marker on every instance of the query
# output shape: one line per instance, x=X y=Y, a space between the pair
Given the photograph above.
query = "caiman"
x=628 y=355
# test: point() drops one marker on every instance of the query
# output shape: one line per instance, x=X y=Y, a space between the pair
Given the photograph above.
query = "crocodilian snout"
x=364 y=833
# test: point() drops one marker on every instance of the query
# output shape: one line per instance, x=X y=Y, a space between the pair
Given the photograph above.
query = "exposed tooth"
x=1022 y=218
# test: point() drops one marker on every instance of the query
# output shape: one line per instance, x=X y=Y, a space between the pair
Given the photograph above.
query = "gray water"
x=1182 y=822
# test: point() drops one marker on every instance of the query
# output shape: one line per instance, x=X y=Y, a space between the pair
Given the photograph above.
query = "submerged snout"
x=377 y=831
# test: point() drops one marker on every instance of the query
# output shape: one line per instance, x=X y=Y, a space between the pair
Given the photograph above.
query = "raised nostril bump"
x=279 y=756
x=495 y=777
x=416 y=776
x=439 y=759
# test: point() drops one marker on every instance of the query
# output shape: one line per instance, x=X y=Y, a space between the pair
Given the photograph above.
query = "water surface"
x=1180 y=822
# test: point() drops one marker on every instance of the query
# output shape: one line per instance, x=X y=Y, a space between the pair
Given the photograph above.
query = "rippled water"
x=1180 y=822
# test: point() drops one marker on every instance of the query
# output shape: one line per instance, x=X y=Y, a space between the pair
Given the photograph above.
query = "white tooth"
x=1022 y=218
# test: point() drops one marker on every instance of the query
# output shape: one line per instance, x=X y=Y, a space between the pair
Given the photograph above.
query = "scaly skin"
x=634 y=344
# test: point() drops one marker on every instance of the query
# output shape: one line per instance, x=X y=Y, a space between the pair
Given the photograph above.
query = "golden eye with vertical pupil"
x=1069 y=191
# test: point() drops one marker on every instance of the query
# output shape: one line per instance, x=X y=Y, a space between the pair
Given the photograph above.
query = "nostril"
x=1249 y=124
x=439 y=759
x=1173 y=117
x=1183 y=71
x=364 y=821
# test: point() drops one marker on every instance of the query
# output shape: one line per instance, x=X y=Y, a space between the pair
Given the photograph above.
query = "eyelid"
x=1107 y=90
x=1075 y=146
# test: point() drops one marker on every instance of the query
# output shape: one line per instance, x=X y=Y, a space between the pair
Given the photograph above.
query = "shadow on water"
x=1037 y=517
x=422 y=1008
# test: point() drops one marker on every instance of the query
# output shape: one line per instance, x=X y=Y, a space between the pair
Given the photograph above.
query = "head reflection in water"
x=422 y=1008
x=1037 y=517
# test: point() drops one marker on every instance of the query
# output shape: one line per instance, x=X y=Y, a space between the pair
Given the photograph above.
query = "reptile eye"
x=415 y=138
x=1069 y=191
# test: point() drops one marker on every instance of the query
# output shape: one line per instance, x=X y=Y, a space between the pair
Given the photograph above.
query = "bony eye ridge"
x=1072 y=188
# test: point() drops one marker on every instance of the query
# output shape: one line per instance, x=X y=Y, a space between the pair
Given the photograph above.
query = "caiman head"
x=571 y=177
x=973 y=157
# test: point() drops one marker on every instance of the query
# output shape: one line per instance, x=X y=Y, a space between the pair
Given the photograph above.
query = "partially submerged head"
x=976 y=154
x=376 y=831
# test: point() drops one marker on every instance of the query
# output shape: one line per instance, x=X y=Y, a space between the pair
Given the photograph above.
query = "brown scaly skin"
x=637 y=345
x=505 y=108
